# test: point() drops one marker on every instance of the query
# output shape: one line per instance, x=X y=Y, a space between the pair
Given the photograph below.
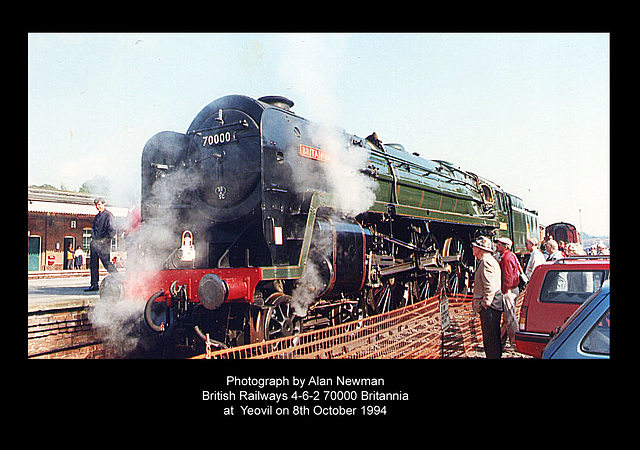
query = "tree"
x=44 y=186
x=96 y=185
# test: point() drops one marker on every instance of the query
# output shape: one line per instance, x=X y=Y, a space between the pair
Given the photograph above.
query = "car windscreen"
x=571 y=286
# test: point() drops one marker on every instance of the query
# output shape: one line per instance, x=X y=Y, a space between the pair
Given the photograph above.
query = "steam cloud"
x=118 y=324
x=352 y=189
x=313 y=67
x=307 y=291
x=118 y=318
x=352 y=192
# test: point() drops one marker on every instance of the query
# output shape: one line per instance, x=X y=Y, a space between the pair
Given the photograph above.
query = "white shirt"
x=535 y=260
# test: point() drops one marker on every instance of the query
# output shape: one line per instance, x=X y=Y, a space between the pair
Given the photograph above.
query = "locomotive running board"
x=427 y=264
x=323 y=199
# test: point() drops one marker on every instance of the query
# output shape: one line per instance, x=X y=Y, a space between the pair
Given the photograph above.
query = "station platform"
x=58 y=315
x=59 y=289
x=37 y=274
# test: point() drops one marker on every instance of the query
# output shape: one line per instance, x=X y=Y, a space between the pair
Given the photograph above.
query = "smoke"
x=118 y=316
x=312 y=67
x=352 y=192
x=160 y=236
x=309 y=287
x=119 y=324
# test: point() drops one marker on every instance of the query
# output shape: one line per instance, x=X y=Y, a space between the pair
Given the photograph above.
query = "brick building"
x=59 y=218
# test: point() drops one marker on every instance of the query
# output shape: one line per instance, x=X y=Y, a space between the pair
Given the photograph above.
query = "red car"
x=555 y=291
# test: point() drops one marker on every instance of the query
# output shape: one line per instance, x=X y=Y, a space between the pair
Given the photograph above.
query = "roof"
x=62 y=202
x=575 y=260
x=72 y=208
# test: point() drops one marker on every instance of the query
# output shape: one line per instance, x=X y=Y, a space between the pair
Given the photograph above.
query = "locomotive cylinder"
x=341 y=246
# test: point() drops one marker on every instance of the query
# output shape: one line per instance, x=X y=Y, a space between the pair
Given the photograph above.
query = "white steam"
x=118 y=324
x=313 y=67
x=351 y=188
x=161 y=234
x=119 y=318
x=307 y=291
x=352 y=191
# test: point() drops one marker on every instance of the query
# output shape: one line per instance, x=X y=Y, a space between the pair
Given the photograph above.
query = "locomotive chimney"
x=277 y=101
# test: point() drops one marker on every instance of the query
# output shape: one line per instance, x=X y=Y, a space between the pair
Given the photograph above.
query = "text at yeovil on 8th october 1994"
x=305 y=396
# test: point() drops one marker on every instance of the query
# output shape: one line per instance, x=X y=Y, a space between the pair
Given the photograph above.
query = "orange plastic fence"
x=411 y=332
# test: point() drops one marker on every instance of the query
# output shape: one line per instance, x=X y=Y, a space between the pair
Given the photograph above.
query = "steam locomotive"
x=248 y=230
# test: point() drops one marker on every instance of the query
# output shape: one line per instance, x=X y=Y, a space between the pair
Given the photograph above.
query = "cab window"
x=486 y=192
x=502 y=202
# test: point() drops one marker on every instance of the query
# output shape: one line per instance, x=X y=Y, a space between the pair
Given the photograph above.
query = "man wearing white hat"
x=487 y=298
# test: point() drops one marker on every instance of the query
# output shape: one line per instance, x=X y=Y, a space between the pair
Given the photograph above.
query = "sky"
x=527 y=111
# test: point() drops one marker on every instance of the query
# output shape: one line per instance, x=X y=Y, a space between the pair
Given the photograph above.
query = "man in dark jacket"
x=103 y=230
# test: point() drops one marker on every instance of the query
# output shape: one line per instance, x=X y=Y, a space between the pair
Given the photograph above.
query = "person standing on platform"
x=69 y=255
x=79 y=257
x=103 y=230
x=487 y=299
x=552 y=250
x=510 y=271
x=535 y=258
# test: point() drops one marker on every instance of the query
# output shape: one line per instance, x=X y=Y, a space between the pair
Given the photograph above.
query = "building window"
x=86 y=240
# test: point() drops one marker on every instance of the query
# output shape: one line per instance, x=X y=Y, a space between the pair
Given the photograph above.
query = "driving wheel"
x=281 y=320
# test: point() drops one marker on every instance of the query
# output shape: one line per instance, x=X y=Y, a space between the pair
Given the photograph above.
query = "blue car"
x=585 y=335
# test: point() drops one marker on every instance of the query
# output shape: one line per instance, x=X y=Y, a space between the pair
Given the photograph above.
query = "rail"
x=412 y=332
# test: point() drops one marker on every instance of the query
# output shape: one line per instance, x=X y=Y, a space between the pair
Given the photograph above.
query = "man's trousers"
x=490 y=321
x=100 y=250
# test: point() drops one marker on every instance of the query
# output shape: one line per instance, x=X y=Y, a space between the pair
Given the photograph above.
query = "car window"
x=597 y=339
x=570 y=286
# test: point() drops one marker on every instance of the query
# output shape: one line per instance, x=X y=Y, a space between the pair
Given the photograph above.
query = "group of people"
x=73 y=259
x=555 y=250
x=496 y=290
